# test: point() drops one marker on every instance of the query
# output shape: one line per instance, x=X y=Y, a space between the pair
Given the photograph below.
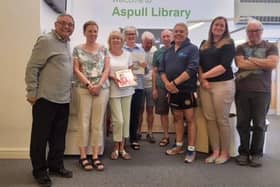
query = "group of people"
x=167 y=78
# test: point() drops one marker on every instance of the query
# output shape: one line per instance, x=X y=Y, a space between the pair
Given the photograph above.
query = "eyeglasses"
x=254 y=31
x=63 y=23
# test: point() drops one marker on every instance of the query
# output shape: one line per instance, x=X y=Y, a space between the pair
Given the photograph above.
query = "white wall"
x=19 y=28
x=47 y=17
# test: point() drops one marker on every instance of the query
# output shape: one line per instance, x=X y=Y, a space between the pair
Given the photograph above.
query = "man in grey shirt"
x=48 y=83
x=255 y=59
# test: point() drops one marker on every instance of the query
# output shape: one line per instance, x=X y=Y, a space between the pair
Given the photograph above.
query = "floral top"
x=91 y=64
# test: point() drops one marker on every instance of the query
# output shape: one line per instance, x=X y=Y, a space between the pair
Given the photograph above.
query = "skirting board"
x=14 y=153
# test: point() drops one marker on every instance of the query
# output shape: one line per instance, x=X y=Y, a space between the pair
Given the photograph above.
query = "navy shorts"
x=182 y=101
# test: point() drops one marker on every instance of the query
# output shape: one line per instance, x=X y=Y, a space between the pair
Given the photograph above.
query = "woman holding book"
x=92 y=68
x=120 y=97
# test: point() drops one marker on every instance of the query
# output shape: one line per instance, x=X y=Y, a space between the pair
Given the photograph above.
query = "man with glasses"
x=48 y=83
x=255 y=59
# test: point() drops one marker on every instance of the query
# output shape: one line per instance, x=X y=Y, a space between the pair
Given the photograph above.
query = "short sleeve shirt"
x=117 y=63
x=255 y=80
x=91 y=64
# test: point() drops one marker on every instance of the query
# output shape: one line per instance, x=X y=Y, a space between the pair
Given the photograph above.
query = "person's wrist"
x=88 y=85
x=174 y=83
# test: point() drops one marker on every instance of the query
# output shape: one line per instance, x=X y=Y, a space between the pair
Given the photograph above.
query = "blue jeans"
x=251 y=107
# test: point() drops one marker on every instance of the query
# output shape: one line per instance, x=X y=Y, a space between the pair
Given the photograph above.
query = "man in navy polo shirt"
x=178 y=71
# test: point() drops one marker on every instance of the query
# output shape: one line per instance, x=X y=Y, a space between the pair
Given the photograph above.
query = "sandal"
x=175 y=151
x=211 y=159
x=115 y=155
x=85 y=164
x=164 y=142
x=97 y=164
x=135 y=145
x=125 y=155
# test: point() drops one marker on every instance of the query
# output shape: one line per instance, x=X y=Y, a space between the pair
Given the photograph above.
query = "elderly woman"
x=130 y=34
x=217 y=87
x=120 y=98
x=91 y=67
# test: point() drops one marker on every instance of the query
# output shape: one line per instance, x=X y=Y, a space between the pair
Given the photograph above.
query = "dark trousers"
x=252 y=108
x=49 y=127
x=134 y=114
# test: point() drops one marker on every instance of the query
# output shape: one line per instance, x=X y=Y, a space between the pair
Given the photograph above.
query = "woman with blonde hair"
x=120 y=98
x=217 y=87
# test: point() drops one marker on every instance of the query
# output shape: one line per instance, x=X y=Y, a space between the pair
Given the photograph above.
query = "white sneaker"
x=190 y=156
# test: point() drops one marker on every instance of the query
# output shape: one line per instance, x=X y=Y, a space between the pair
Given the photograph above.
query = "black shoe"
x=135 y=146
x=150 y=138
x=174 y=144
x=43 y=180
x=139 y=136
x=242 y=160
x=255 y=161
x=61 y=172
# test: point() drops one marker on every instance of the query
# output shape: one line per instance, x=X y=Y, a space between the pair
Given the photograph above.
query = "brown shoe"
x=175 y=151
x=125 y=155
x=115 y=155
x=164 y=142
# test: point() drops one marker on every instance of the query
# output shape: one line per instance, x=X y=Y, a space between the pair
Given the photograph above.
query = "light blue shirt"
x=139 y=77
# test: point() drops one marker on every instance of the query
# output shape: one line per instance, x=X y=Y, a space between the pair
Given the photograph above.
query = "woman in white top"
x=120 y=98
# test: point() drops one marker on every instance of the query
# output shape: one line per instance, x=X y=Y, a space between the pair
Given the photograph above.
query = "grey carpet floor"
x=152 y=168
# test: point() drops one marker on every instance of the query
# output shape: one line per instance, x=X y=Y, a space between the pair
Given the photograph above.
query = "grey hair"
x=166 y=30
x=65 y=15
x=148 y=35
x=254 y=21
x=130 y=28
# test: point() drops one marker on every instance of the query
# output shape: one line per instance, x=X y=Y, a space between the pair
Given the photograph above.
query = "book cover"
x=125 y=78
